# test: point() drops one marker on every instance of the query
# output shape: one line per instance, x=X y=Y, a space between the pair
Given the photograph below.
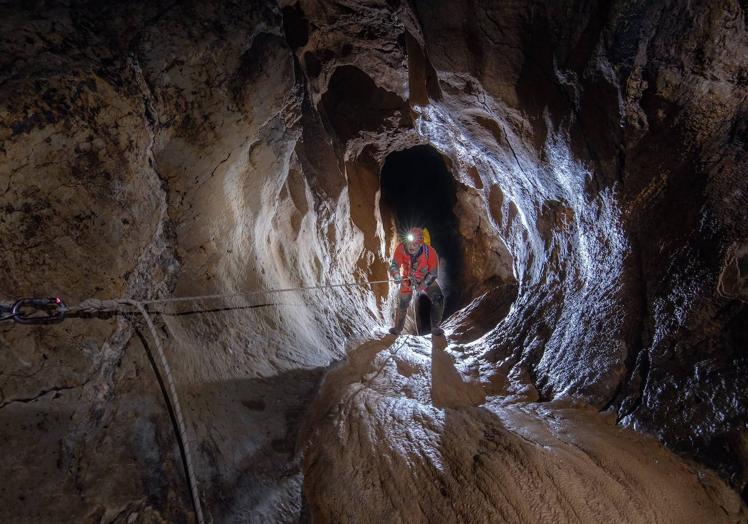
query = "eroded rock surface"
x=400 y=430
x=650 y=100
x=169 y=149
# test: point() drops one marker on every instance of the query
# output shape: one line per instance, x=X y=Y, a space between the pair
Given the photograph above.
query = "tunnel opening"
x=417 y=189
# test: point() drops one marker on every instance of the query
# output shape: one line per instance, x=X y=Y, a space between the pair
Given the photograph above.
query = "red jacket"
x=426 y=265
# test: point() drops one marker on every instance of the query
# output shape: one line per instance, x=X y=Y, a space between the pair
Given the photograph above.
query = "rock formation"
x=595 y=258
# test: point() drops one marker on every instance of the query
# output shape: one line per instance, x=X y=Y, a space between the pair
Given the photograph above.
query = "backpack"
x=426 y=237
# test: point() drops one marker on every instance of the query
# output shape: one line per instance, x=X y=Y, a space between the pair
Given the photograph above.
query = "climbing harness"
x=40 y=311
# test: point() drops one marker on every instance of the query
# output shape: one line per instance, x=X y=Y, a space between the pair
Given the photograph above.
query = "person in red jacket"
x=416 y=265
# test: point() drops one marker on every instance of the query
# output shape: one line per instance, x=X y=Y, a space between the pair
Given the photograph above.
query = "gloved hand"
x=424 y=279
x=396 y=277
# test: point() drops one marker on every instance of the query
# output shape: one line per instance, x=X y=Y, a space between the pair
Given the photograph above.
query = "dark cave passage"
x=419 y=190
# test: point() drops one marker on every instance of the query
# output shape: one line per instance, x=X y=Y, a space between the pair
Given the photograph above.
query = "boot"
x=402 y=311
x=399 y=322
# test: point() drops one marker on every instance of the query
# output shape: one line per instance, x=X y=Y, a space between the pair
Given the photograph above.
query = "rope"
x=96 y=306
x=173 y=399
x=393 y=353
x=259 y=292
x=93 y=306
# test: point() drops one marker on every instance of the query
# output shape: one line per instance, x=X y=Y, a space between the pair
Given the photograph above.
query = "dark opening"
x=418 y=190
x=295 y=26
x=353 y=103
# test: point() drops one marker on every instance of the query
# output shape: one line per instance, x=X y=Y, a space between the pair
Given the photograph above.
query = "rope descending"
x=53 y=310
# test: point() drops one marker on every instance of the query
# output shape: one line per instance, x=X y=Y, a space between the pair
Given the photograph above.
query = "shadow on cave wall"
x=353 y=103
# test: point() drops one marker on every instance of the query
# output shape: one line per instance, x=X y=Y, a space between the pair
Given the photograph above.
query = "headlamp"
x=410 y=237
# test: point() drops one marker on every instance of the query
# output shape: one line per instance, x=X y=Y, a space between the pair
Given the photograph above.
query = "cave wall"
x=650 y=99
x=158 y=149
x=155 y=149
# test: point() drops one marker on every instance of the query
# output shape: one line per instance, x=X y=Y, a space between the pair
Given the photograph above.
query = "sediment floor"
x=401 y=433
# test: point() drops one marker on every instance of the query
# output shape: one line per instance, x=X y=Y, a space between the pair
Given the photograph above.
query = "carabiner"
x=54 y=308
x=6 y=312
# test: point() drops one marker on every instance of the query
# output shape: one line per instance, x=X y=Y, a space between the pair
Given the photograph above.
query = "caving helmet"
x=414 y=240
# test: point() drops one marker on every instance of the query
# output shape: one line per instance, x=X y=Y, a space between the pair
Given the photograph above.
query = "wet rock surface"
x=650 y=100
x=168 y=149
x=404 y=426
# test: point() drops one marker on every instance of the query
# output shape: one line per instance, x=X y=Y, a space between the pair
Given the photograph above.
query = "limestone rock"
x=595 y=154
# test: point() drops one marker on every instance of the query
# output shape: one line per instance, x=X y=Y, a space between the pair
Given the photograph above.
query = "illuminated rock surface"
x=401 y=431
x=595 y=259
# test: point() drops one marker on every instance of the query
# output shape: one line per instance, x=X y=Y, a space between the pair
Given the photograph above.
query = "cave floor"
x=402 y=433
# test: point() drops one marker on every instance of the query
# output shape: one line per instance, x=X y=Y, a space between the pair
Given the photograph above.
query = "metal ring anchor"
x=38 y=310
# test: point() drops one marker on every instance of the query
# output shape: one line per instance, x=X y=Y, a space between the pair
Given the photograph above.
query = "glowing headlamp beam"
x=410 y=238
